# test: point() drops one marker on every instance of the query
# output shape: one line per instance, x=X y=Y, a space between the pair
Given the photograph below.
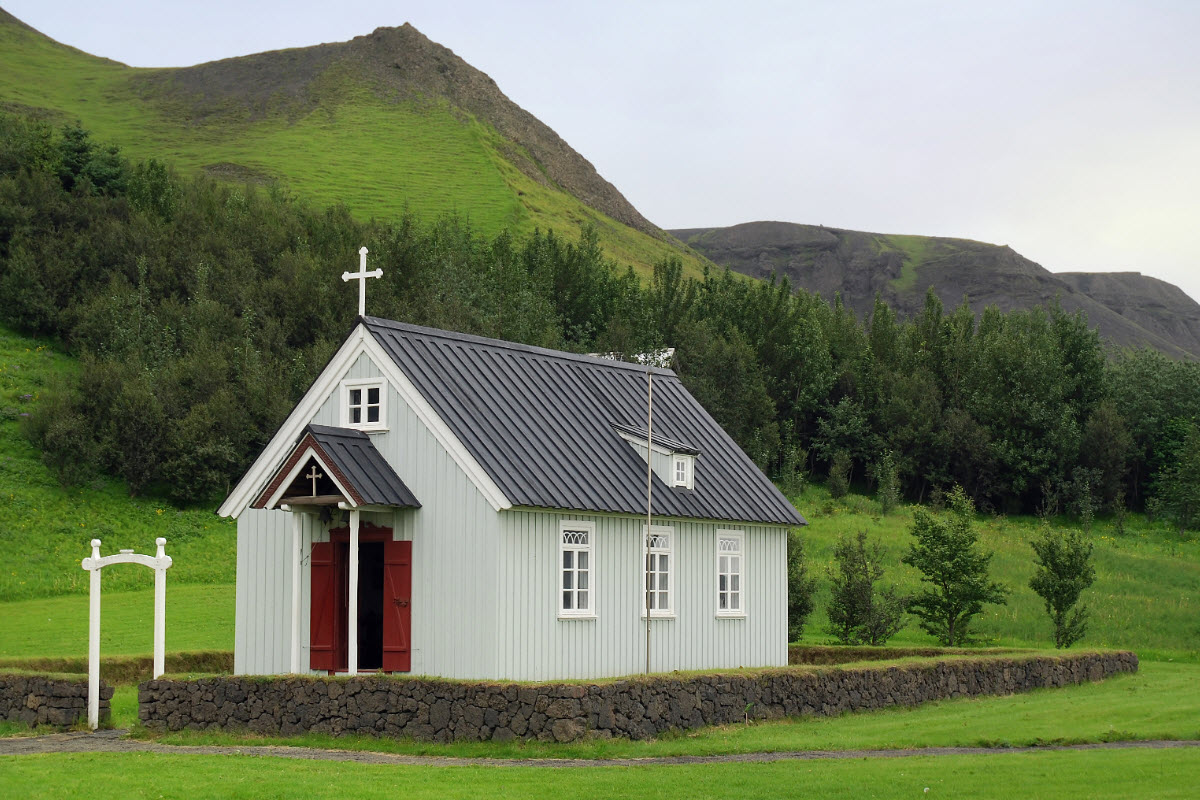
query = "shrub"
x=858 y=612
x=888 y=482
x=839 y=474
x=801 y=587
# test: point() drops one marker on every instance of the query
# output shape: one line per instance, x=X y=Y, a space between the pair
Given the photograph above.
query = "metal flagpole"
x=649 y=491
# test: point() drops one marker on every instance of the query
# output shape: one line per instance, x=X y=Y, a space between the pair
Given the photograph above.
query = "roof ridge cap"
x=504 y=344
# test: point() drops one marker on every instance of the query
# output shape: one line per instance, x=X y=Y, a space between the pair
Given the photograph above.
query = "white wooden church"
x=462 y=507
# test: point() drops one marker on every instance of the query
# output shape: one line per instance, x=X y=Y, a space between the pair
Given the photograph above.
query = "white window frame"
x=688 y=463
x=670 y=552
x=365 y=384
x=740 y=538
x=582 y=526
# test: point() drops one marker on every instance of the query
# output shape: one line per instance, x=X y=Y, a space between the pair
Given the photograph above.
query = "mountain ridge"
x=1129 y=309
x=404 y=60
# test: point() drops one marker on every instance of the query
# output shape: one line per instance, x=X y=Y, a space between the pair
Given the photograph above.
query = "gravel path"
x=116 y=742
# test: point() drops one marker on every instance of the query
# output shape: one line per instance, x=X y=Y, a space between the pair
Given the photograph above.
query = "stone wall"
x=640 y=708
x=36 y=700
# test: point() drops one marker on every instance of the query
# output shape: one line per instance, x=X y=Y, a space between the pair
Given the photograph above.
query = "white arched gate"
x=160 y=563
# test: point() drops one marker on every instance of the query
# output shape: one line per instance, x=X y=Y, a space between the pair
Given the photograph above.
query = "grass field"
x=915 y=249
x=1146 y=596
x=375 y=155
x=1116 y=774
x=199 y=617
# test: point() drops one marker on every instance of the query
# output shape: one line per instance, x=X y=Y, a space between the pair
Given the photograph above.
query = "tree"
x=1064 y=570
x=800 y=587
x=946 y=552
x=1179 y=483
x=1104 y=448
x=839 y=474
x=858 y=612
x=888 y=483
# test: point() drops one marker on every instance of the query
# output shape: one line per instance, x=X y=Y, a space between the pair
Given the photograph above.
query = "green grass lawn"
x=1116 y=774
x=199 y=617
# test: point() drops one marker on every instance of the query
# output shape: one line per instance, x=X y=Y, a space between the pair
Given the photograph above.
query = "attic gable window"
x=364 y=404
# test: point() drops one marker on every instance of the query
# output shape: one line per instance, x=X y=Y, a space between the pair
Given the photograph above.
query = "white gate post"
x=94 y=639
x=160 y=607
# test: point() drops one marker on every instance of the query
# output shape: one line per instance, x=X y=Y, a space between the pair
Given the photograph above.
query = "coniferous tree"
x=946 y=551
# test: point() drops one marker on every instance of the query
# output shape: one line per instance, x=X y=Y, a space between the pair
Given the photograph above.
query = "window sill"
x=741 y=615
x=658 y=616
x=572 y=617
x=367 y=430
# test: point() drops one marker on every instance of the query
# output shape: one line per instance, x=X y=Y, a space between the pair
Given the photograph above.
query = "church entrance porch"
x=381 y=615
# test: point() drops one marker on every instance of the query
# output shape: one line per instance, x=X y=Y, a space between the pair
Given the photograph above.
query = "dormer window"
x=673 y=461
x=364 y=404
x=681 y=471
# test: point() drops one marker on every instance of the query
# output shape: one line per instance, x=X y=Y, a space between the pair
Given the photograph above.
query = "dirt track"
x=117 y=742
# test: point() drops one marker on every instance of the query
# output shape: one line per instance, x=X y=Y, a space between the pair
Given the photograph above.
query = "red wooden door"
x=397 y=612
x=325 y=623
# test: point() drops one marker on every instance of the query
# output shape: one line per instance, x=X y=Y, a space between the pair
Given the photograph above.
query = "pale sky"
x=1067 y=130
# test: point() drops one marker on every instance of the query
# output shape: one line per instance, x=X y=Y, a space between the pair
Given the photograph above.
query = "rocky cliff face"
x=1129 y=309
x=399 y=64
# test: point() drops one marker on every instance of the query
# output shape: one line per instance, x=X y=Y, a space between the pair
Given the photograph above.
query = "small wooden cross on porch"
x=361 y=276
x=313 y=475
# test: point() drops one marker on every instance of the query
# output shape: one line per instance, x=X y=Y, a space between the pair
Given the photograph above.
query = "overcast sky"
x=1068 y=130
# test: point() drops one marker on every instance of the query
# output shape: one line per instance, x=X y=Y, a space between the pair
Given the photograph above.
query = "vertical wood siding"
x=455 y=538
x=536 y=645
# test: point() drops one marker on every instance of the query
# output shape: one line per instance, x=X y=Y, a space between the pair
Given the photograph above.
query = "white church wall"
x=262 y=605
x=535 y=644
x=455 y=546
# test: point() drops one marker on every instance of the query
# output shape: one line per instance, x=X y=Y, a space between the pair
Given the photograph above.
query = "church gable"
x=358 y=390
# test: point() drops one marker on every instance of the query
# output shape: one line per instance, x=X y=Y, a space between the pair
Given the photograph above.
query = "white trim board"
x=358 y=342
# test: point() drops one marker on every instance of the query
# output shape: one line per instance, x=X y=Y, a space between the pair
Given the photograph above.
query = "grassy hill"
x=1129 y=309
x=45 y=528
x=382 y=123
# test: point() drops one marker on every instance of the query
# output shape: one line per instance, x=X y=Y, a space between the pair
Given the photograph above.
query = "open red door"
x=397 y=613
x=324 y=621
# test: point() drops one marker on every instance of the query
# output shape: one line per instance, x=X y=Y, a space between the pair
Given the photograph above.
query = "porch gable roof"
x=357 y=466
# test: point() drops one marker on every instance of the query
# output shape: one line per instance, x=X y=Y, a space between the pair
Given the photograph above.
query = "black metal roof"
x=541 y=424
x=370 y=475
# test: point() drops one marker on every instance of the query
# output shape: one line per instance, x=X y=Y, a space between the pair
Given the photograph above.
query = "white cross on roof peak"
x=361 y=276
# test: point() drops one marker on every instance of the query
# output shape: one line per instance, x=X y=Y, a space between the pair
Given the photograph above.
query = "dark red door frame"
x=330 y=586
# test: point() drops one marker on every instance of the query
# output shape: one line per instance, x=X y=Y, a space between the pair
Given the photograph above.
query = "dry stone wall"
x=437 y=710
x=61 y=702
